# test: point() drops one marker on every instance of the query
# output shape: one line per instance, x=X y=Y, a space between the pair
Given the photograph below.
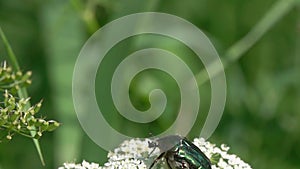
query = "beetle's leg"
x=156 y=160
x=168 y=164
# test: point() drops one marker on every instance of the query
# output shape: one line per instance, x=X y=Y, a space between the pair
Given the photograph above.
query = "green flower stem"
x=9 y=50
x=17 y=131
x=22 y=92
x=236 y=51
x=13 y=84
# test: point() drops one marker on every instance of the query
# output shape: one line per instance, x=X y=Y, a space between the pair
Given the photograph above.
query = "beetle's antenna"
x=152 y=144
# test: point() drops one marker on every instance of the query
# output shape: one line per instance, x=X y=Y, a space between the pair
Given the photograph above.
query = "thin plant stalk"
x=237 y=50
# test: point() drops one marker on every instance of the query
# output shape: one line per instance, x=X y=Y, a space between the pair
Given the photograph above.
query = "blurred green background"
x=261 y=118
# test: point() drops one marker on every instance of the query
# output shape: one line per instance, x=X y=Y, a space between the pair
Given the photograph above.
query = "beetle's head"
x=168 y=142
x=165 y=143
x=152 y=144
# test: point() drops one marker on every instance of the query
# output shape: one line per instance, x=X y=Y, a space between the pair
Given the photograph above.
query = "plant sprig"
x=13 y=81
x=15 y=116
x=19 y=87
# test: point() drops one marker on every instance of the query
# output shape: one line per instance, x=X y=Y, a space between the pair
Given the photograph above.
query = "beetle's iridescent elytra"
x=180 y=153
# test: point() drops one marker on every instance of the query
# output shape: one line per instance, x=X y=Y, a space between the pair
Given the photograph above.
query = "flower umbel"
x=17 y=115
x=135 y=153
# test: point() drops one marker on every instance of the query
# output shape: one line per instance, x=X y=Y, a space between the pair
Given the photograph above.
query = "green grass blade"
x=237 y=50
x=22 y=92
x=278 y=10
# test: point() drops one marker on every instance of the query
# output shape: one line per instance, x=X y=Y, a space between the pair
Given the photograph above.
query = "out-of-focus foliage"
x=261 y=117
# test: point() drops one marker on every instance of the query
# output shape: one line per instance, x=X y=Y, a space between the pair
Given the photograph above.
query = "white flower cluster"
x=123 y=164
x=135 y=153
x=133 y=149
x=83 y=165
x=224 y=160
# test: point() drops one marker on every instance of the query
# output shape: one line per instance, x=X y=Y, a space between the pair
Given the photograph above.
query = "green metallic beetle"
x=180 y=153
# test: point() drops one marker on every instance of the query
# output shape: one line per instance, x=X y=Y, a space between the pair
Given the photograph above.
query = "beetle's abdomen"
x=187 y=155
